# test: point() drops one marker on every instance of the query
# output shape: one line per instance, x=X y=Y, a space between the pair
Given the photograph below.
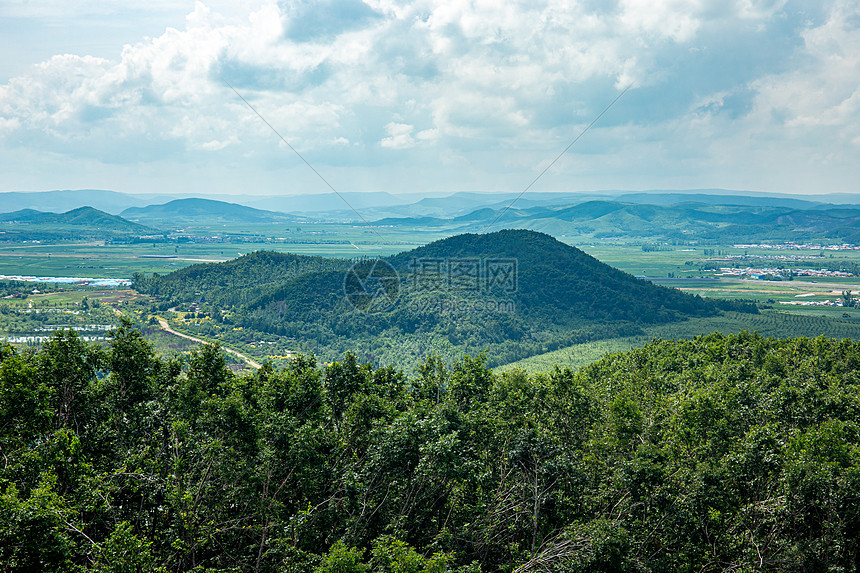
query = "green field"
x=786 y=317
x=769 y=323
x=96 y=259
x=220 y=242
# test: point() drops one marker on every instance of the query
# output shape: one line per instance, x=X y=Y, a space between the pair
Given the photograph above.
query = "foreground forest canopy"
x=721 y=452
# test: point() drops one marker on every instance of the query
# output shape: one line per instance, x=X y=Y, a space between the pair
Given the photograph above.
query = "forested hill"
x=558 y=280
x=94 y=219
x=733 y=453
x=237 y=281
x=546 y=295
x=83 y=223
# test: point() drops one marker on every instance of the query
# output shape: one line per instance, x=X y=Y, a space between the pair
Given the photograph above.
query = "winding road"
x=166 y=327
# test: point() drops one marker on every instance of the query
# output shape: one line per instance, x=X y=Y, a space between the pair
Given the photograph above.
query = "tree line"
x=721 y=452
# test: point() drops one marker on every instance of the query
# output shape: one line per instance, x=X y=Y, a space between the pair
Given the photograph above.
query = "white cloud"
x=450 y=77
x=759 y=9
x=214 y=145
x=427 y=134
x=821 y=96
x=399 y=136
x=677 y=20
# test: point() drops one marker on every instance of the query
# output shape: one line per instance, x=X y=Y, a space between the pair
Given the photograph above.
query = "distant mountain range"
x=80 y=223
x=115 y=202
x=710 y=215
x=381 y=204
x=60 y=201
x=186 y=211
x=326 y=202
x=465 y=204
x=713 y=221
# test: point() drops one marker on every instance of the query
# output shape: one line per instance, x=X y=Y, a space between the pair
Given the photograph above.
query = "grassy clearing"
x=769 y=323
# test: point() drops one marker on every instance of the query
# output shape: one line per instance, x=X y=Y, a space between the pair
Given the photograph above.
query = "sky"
x=429 y=97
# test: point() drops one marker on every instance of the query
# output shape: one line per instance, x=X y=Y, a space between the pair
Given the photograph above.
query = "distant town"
x=780 y=274
x=799 y=247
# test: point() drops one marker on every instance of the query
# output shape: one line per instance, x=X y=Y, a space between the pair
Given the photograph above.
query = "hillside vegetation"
x=556 y=295
x=717 y=453
x=237 y=281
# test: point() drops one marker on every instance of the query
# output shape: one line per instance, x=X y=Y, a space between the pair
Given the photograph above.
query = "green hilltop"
x=556 y=295
x=236 y=281
x=559 y=282
x=93 y=219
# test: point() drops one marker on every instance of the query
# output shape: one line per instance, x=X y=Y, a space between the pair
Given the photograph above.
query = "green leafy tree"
x=68 y=365
x=342 y=559
x=123 y=552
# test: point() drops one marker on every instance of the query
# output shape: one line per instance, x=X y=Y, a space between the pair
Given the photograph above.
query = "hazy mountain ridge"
x=380 y=204
x=660 y=216
x=324 y=202
x=182 y=211
x=93 y=220
x=688 y=221
x=112 y=202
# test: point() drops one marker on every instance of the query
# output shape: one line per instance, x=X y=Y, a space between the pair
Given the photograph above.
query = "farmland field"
x=205 y=244
x=769 y=323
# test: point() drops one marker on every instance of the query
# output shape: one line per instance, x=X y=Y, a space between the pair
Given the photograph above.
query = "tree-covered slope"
x=93 y=219
x=88 y=217
x=560 y=282
x=712 y=454
x=554 y=295
x=22 y=216
x=238 y=281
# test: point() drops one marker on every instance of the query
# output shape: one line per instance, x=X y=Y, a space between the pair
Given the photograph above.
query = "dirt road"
x=166 y=327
